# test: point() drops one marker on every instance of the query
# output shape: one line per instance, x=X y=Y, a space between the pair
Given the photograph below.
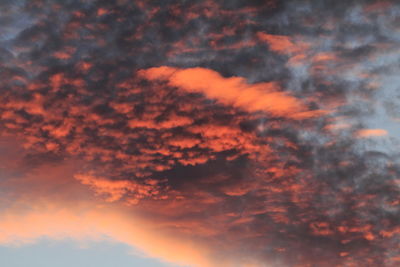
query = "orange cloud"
x=323 y=57
x=54 y=201
x=212 y=179
x=234 y=91
x=173 y=121
x=281 y=44
x=48 y=203
x=95 y=223
x=365 y=133
x=115 y=190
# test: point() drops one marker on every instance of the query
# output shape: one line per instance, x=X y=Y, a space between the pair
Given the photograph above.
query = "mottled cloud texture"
x=206 y=133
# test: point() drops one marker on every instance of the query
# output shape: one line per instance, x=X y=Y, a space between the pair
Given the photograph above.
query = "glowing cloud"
x=366 y=133
x=233 y=91
x=206 y=133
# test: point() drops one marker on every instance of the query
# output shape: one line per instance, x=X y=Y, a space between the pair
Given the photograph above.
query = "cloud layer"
x=256 y=132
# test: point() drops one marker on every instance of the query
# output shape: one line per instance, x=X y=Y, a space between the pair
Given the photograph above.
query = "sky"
x=46 y=253
x=199 y=133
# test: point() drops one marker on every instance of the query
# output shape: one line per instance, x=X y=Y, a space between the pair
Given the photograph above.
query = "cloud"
x=47 y=202
x=115 y=190
x=233 y=91
x=232 y=126
x=281 y=44
x=365 y=133
x=96 y=224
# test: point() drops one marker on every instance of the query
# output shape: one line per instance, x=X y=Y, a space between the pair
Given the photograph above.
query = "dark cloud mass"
x=255 y=127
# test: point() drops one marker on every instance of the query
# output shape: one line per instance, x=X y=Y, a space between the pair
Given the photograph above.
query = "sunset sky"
x=204 y=133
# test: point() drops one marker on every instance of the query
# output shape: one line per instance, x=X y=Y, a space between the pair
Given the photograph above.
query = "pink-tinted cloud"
x=233 y=91
x=47 y=202
x=226 y=157
x=281 y=44
x=115 y=190
x=366 y=133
